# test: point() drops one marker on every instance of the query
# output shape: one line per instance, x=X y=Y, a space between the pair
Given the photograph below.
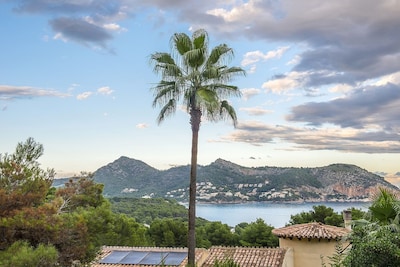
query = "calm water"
x=277 y=215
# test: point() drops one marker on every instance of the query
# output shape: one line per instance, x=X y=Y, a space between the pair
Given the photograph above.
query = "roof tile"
x=311 y=231
x=246 y=256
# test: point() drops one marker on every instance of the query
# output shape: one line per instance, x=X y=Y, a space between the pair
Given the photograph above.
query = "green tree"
x=258 y=234
x=75 y=221
x=214 y=234
x=168 y=233
x=21 y=254
x=23 y=190
x=198 y=78
x=22 y=182
x=320 y=213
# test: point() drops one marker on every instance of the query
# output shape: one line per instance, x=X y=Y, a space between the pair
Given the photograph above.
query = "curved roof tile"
x=311 y=231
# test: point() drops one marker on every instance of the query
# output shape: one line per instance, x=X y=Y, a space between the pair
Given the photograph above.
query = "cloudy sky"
x=322 y=83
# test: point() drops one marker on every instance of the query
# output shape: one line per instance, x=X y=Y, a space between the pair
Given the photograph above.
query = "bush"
x=21 y=254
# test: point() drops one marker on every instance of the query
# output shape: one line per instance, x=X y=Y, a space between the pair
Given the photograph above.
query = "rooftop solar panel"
x=134 y=257
x=175 y=258
x=144 y=257
x=153 y=258
x=115 y=257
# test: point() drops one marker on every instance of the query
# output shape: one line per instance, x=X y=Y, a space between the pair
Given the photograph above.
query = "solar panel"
x=153 y=258
x=134 y=257
x=144 y=257
x=175 y=258
x=115 y=257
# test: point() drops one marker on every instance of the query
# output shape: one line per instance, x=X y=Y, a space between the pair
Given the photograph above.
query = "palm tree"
x=385 y=207
x=198 y=79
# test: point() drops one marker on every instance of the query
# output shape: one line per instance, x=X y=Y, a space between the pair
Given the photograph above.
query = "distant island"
x=225 y=182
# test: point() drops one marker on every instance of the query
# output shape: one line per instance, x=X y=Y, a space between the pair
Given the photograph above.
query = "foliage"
x=22 y=182
x=82 y=192
x=374 y=246
x=168 y=233
x=214 y=234
x=74 y=221
x=385 y=207
x=325 y=215
x=258 y=234
x=147 y=210
x=337 y=259
x=21 y=254
x=377 y=242
x=225 y=263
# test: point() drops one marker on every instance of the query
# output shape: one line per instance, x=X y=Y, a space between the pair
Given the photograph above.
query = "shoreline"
x=359 y=201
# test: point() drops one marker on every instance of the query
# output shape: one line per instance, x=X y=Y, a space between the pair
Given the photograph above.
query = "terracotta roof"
x=246 y=256
x=311 y=231
x=201 y=255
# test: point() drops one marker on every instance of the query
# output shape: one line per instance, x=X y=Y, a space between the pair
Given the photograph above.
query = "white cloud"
x=256 y=111
x=391 y=78
x=9 y=92
x=340 y=88
x=142 y=126
x=256 y=56
x=238 y=13
x=291 y=81
x=252 y=69
x=84 y=95
x=105 y=90
x=114 y=27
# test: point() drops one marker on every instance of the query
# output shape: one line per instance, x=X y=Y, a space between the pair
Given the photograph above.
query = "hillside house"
x=153 y=256
x=299 y=245
x=311 y=243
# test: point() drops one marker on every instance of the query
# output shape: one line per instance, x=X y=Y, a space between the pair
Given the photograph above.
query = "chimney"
x=347 y=219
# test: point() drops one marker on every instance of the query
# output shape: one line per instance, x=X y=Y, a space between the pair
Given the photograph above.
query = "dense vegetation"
x=46 y=226
x=55 y=226
x=325 y=215
x=147 y=210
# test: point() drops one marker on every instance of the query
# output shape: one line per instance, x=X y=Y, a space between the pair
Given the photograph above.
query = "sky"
x=322 y=82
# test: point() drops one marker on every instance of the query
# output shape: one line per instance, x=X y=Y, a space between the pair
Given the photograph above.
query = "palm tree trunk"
x=195 y=122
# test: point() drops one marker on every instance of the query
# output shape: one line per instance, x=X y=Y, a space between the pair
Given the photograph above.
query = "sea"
x=274 y=214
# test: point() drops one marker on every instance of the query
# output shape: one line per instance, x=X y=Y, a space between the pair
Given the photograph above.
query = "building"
x=299 y=245
x=311 y=243
x=153 y=256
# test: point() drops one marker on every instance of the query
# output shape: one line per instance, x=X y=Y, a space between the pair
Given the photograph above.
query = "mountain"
x=224 y=181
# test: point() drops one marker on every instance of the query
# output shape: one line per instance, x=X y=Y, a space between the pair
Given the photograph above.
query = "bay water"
x=274 y=214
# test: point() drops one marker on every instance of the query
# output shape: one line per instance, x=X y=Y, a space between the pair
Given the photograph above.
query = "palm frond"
x=225 y=90
x=207 y=98
x=165 y=64
x=228 y=112
x=164 y=91
x=200 y=39
x=228 y=73
x=167 y=110
x=181 y=42
x=162 y=58
x=195 y=58
x=385 y=205
x=219 y=53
